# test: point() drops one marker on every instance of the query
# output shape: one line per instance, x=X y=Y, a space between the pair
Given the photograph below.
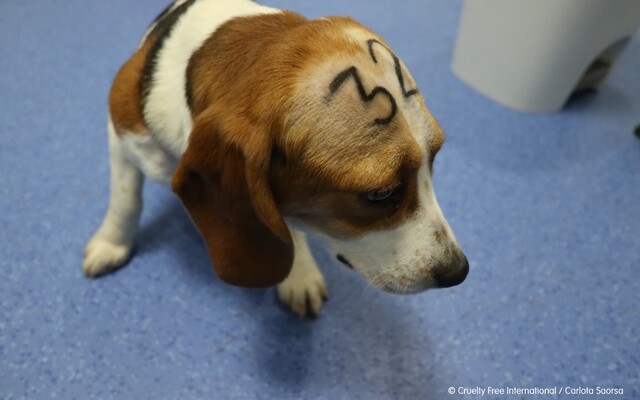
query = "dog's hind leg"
x=111 y=245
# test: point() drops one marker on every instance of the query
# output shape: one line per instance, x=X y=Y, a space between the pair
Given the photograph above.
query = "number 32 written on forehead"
x=352 y=72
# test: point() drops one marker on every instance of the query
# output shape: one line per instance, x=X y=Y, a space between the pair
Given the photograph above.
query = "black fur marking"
x=352 y=72
x=188 y=84
x=406 y=93
x=160 y=32
x=162 y=14
x=343 y=260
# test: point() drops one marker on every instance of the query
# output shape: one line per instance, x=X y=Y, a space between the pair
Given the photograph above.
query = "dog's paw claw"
x=101 y=257
x=304 y=294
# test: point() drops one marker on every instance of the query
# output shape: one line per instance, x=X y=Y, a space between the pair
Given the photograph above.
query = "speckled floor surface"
x=545 y=206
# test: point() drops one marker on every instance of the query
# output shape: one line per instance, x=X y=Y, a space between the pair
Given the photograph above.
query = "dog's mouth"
x=343 y=260
x=395 y=286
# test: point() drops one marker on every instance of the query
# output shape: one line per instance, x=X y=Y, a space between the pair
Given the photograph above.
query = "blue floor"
x=545 y=206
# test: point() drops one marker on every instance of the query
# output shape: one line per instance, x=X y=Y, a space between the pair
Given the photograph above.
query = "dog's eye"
x=384 y=196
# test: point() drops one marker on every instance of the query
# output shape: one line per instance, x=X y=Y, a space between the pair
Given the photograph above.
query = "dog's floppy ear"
x=223 y=181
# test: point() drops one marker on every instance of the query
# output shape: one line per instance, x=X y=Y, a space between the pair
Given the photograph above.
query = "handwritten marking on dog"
x=398 y=67
x=352 y=72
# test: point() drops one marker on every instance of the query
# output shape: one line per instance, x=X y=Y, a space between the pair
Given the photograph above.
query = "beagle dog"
x=270 y=126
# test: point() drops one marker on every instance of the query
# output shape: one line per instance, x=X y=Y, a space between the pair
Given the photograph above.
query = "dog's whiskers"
x=376 y=281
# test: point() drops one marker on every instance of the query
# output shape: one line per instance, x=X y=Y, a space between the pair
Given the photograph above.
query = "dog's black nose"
x=453 y=276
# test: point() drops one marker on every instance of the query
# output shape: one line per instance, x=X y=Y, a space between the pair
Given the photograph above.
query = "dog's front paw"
x=101 y=257
x=303 y=291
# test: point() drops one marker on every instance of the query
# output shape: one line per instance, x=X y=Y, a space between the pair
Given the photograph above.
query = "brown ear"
x=223 y=182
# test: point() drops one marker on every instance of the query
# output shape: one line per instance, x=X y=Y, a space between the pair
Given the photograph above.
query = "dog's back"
x=149 y=93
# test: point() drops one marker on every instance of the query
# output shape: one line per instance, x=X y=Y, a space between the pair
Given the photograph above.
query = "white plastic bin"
x=531 y=55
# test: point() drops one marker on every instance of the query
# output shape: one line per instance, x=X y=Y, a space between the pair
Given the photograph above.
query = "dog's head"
x=332 y=134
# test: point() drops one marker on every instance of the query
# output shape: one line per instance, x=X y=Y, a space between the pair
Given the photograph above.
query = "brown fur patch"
x=326 y=184
x=253 y=63
x=435 y=142
x=132 y=82
x=125 y=104
x=340 y=211
x=222 y=181
x=440 y=234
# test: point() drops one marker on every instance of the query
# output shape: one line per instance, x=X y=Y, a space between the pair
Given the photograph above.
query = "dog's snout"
x=453 y=275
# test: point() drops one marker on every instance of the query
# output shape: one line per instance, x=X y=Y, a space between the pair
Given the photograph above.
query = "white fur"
x=111 y=245
x=402 y=260
x=149 y=156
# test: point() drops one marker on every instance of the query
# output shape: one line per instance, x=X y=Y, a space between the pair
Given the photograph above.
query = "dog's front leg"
x=111 y=245
x=304 y=289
